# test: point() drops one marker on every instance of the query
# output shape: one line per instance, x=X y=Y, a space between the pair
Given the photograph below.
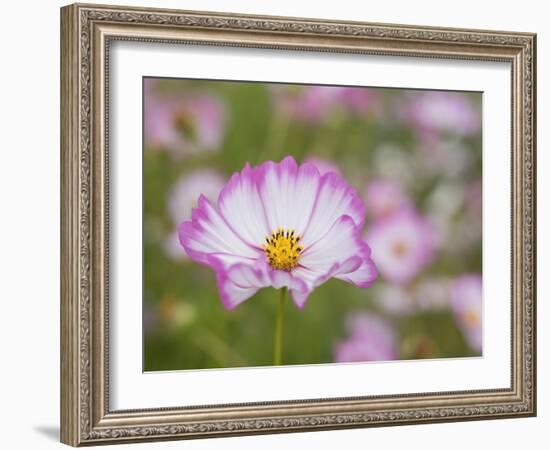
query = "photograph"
x=297 y=224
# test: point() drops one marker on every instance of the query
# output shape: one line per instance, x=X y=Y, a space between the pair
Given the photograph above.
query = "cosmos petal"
x=207 y=232
x=335 y=198
x=238 y=282
x=296 y=286
x=241 y=206
x=313 y=279
x=339 y=243
x=362 y=277
x=341 y=253
x=288 y=193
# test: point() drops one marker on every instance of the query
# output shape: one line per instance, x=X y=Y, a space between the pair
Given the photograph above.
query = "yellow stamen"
x=282 y=249
x=399 y=248
x=186 y=124
x=472 y=318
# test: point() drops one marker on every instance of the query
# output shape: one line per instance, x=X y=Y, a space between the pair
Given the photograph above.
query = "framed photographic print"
x=275 y=224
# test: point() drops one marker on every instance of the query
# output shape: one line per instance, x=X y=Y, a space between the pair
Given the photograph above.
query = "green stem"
x=278 y=347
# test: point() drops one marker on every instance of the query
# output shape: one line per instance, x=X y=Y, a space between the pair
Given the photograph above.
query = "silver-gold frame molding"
x=86 y=34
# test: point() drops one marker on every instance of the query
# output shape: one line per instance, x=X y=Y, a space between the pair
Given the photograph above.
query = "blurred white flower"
x=172 y=247
x=427 y=294
x=392 y=162
x=394 y=300
x=446 y=199
x=432 y=294
x=182 y=198
x=443 y=203
x=447 y=157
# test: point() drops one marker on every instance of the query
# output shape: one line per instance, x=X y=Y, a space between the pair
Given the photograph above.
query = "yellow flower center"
x=399 y=248
x=185 y=123
x=282 y=249
x=472 y=318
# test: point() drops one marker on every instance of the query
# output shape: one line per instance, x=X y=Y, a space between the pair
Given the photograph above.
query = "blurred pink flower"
x=474 y=199
x=323 y=165
x=466 y=304
x=148 y=88
x=384 y=197
x=182 y=198
x=437 y=111
x=371 y=338
x=280 y=225
x=306 y=103
x=315 y=103
x=403 y=244
x=183 y=125
x=427 y=294
x=172 y=248
x=359 y=99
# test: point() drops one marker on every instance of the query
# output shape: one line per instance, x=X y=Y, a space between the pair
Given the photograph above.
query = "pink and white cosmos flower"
x=403 y=244
x=280 y=225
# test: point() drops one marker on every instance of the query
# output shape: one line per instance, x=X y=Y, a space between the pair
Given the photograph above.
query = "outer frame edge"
x=69 y=382
x=71 y=241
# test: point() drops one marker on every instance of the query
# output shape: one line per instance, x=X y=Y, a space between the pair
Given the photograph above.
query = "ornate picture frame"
x=87 y=31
